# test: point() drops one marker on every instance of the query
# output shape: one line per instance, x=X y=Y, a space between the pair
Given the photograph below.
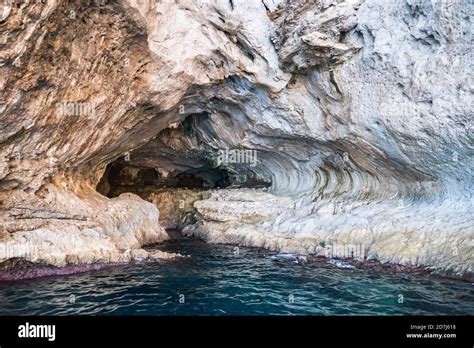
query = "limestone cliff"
x=359 y=112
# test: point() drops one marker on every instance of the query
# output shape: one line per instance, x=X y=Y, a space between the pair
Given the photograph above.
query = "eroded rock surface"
x=360 y=113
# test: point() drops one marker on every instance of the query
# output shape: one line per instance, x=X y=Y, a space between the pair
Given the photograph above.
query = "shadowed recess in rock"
x=275 y=124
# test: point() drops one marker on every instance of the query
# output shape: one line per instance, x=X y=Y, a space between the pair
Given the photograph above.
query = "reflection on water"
x=216 y=280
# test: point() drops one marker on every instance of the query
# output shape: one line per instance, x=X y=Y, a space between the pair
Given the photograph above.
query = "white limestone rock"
x=360 y=113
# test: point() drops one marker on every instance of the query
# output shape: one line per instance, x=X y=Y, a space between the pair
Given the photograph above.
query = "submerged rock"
x=288 y=257
x=340 y=264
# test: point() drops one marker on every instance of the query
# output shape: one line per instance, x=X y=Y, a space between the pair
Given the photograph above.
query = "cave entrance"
x=172 y=192
x=176 y=168
x=121 y=177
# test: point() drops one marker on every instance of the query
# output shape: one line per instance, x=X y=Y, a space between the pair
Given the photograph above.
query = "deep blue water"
x=216 y=281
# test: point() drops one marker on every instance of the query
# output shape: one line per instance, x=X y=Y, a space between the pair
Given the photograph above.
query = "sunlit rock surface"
x=360 y=113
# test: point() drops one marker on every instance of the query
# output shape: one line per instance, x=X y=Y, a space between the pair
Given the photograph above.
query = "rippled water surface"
x=217 y=281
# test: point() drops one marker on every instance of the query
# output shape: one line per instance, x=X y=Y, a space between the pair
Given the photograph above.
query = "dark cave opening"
x=179 y=157
x=172 y=192
x=120 y=177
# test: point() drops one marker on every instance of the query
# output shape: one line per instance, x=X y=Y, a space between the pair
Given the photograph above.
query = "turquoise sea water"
x=215 y=280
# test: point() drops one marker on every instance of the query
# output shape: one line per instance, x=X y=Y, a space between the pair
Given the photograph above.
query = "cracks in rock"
x=310 y=118
x=15 y=137
x=245 y=49
x=239 y=41
x=333 y=81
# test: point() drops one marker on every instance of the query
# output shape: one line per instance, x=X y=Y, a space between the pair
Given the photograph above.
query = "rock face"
x=351 y=121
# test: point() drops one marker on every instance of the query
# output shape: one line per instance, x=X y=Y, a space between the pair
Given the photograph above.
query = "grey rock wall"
x=360 y=113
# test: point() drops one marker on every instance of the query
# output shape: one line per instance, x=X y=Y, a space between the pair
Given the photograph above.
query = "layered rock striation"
x=356 y=117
